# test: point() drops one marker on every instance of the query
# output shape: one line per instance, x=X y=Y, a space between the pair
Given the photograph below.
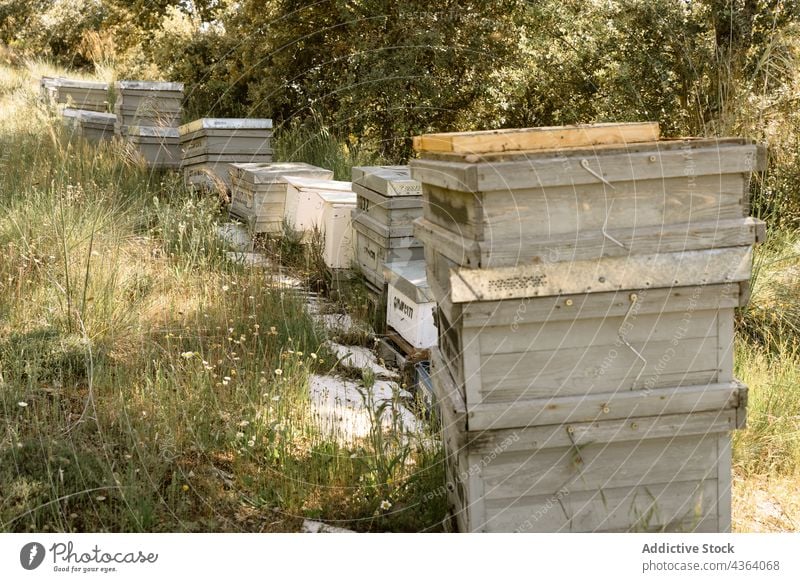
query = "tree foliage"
x=379 y=71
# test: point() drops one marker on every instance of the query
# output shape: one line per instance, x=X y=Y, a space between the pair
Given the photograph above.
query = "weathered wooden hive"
x=96 y=126
x=158 y=146
x=410 y=306
x=146 y=103
x=70 y=118
x=210 y=146
x=75 y=93
x=388 y=203
x=586 y=279
x=47 y=90
x=258 y=192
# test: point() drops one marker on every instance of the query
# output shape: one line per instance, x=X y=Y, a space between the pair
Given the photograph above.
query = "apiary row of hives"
x=576 y=287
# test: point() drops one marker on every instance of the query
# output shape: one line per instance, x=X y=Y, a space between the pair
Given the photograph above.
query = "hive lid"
x=269 y=172
x=536 y=138
x=97 y=117
x=410 y=278
x=225 y=123
x=305 y=183
x=337 y=197
x=149 y=86
x=387 y=180
x=74 y=83
x=153 y=131
x=71 y=113
x=602 y=165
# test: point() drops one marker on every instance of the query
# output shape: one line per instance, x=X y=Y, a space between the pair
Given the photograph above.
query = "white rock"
x=346 y=411
x=310 y=526
x=360 y=357
x=249 y=259
x=236 y=236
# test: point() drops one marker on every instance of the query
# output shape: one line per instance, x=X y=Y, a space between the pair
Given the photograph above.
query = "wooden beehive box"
x=659 y=461
x=96 y=126
x=388 y=203
x=410 y=305
x=144 y=103
x=507 y=357
x=258 y=192
x=226 y=136
x=504 y=209
x=158 y=146
x=210 y=146
x=75 y=93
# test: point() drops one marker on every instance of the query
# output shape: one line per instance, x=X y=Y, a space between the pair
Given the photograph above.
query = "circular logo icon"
x=31 y=555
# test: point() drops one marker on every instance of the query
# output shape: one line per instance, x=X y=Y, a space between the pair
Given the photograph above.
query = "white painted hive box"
x=304 y=206
x=410 y=304
x=259 y=191
x=337 y=229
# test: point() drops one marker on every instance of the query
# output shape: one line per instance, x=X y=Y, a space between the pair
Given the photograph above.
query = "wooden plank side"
x=593 y=305
x=679 y=269
x=725 y=335
x=596 y=370
x=574 y=167
x=600 y=431
x=391 y=202
x=638 y=329
x=724 y=482
x=600 y=466
x=454 y=176
x=528 y=247
x=556 y=212
x=677 y=506
x=455 y=211
x=591 y=407
x=537 y=138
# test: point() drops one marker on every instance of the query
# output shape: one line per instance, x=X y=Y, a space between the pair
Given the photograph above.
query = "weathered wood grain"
x=660 y=160
x=561 y=409
x=528 y=247
x=598 y=466
x=387 y=181
x=537 y=138
x=677 y=269
x=676 y=506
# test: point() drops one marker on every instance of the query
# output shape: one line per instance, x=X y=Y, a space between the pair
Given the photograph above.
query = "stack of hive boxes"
x=75 y=93
x=388 y=202
x=586 y=279
x=323 y=207
x=148 y=115
x=258 y=192
x=210 y=146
